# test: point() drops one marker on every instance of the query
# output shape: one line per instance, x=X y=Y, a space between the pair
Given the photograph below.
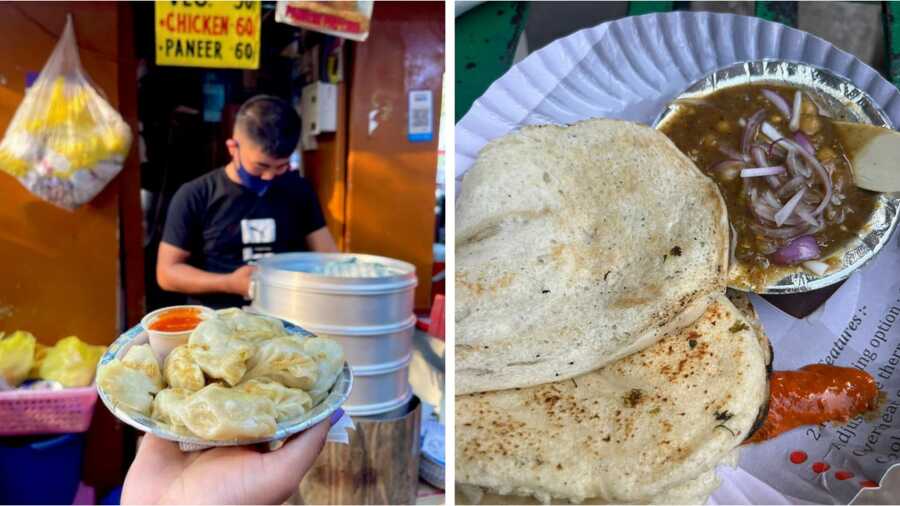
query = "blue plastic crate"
x=40 y=469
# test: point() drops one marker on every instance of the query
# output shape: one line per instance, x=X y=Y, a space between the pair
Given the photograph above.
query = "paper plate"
x=633 y=67
x=137 y=335
x=630 y=69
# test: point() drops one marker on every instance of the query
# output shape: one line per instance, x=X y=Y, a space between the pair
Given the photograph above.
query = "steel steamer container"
x=364 y=302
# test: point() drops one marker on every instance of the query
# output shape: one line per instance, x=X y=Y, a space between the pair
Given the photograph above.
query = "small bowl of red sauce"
x=171 y=327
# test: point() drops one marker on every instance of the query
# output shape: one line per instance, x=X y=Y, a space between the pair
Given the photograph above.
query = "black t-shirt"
x=224 y=225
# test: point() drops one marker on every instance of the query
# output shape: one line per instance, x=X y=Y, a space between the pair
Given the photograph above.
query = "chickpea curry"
x=783 y=172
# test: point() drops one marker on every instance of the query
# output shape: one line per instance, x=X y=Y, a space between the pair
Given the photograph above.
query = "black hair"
x=271 y=123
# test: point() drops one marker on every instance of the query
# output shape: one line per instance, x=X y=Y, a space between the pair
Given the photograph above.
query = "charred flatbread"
x=576 y=246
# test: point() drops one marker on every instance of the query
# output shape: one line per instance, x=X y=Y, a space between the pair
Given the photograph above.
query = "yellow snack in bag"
x=16 y=357
x=40 y=351
x=116 y=141
x=11 y=164
x=65 y=142
x=71 y=362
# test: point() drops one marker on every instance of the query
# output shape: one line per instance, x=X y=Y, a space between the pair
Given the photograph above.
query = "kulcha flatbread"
x=633 y=431
x=695 y=491
x=577 y=246
x=741 y=301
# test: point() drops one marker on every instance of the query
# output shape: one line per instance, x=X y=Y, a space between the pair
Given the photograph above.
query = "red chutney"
x=816 y=394
x=177 y=320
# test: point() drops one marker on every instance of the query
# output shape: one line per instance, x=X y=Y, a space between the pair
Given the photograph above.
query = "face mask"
x=253 y=183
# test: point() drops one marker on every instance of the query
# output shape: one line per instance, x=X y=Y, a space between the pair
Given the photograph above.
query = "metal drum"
x=364 y=302
x=371 y=346
x=379 y=389
x=334 y=289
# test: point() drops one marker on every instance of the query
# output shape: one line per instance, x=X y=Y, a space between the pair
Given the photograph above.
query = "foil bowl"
x=339 y=393
x=839 y=99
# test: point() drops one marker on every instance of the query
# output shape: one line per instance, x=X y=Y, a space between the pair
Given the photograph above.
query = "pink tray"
x=24 y=412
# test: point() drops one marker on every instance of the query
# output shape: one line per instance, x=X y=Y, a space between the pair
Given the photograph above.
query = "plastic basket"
x=25 y=412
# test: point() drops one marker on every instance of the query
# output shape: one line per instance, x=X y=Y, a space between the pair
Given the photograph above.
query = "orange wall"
x=391 y=181
x=58 y=269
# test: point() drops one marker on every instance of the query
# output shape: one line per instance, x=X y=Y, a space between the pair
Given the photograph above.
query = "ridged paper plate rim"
x=627 y=69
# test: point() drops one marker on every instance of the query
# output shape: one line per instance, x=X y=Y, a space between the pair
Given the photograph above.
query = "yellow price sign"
x=208 y=34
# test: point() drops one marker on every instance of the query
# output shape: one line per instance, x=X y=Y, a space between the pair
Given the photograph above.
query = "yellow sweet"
x=71 y=362
x=116 y=141
x=16 y=357
x=11 y=164
x=40 y=352
x=78 y=113
x=57 y=105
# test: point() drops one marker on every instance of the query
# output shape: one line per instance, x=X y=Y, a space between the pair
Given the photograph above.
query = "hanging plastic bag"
x=16 y=357
x=348 y=20
x=71 y=362
x=65 y=142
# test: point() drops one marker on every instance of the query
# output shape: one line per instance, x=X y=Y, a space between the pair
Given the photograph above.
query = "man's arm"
x=321 y=241
x=173 y=273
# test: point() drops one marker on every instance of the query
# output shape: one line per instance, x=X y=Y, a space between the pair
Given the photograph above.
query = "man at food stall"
x=251 y=208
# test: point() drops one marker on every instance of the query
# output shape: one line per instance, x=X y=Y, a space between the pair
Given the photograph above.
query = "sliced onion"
x=759 y=156
x=796 y=166
x=801 y=249
x=813 y=197
x=790 y=161
x=817 y=168
x=774 y=182
x=760 y=207
x=791 y=186
x=780 y=233
x=823 y=175
x=762 y=171
x=818 y=268
x=770 y=199
x=803 y=141
x=795 y=118
x=780 y=103
x=776 y=145
x=733 y=153
x=763 y=209
x=770 y=131
x=805 y=214
x=751 y=130
x=785 y=212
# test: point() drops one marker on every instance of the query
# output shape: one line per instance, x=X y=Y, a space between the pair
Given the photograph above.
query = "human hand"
x=239 y=280
x=162 y=474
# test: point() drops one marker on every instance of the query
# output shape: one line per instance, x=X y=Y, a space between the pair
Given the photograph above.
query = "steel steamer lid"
x=339 y=273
